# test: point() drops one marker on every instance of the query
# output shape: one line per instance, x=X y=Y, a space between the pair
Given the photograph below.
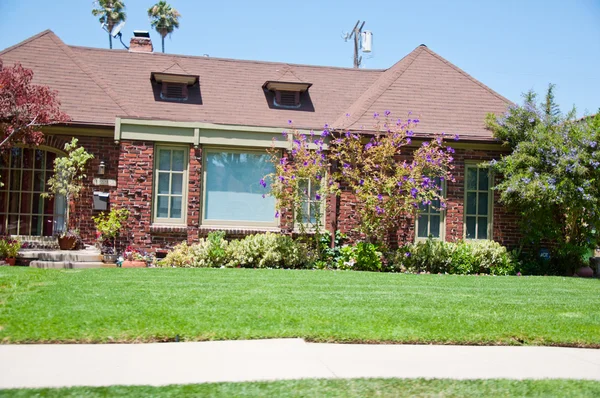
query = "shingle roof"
x=97 y=85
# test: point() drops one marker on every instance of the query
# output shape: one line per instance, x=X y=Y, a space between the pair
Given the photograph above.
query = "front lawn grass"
x=336 y=388
x=125 y=305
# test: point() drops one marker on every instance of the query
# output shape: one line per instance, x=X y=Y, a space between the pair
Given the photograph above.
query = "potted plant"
x=9 y=249
x=133 y=258
x=108 y=226
x=69 y=172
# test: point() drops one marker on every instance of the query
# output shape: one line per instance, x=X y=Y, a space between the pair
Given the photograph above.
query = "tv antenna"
x=364 y=38
x=116 y=32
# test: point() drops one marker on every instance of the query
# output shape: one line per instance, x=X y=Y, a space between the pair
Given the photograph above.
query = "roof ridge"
x=85 y=69
x=228 y=59
x=30 y=39
x=376 y=90
x=456 y=68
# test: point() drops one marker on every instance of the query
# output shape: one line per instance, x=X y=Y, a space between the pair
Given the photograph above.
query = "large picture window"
x=24 y=174
x=478 y=202
x=170 y=186
x=430 y=219
x=232 y=191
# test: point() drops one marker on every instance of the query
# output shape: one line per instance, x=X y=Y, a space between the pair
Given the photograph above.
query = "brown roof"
x=97 y=85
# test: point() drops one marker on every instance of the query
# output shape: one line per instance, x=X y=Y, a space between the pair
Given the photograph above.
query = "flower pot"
x=133 y=264
x=10 y=261
x=585 y=272
x=110 y=258
x=67 y=242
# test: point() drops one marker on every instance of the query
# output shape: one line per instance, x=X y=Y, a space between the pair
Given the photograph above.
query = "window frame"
x=490 y=204
x=442 y=215
x=56 y=214
x=323 y=202
x=204 y=223
x=184 y=188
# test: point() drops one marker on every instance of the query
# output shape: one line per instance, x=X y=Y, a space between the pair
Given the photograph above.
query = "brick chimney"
x=140 y=42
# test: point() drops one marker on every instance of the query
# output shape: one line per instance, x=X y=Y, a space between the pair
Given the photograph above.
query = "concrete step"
x=70 y=264
x=81 y=256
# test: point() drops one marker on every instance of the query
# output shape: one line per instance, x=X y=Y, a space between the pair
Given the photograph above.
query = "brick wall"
x=131 y=164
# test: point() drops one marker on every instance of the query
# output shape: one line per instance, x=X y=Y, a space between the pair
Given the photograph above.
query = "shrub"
x=268 y=251
x=461 y=257
x=363 y=256
x=210 y=252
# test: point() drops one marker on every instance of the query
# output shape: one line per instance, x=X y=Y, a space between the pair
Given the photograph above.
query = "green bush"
x=268 y=251
x=210 y=252
x=461 y=257
x=361 y=257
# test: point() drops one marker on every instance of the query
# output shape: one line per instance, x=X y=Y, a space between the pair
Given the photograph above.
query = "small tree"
x=25 y=108
x=69 y=172
x=111 y=13
x=164 y=18
x=299 y=181
x=109 y=225
x=552 y=176
x=388 y=189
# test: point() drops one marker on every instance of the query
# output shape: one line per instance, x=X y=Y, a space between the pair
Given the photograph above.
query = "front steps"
x=65 y=259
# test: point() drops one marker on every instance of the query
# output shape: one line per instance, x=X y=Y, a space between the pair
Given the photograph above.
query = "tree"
x=552 y=176
x=25 y=108
x=111 y=13
x=164 y=18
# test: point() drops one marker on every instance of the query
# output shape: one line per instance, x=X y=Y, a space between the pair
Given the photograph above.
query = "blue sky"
x=511 y=46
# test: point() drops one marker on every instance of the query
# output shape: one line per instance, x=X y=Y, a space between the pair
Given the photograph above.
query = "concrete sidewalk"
x=216 y=361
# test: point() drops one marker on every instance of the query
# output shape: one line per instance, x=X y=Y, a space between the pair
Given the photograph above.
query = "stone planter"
x=10 y=261
x=134 y=264
x=110 y=258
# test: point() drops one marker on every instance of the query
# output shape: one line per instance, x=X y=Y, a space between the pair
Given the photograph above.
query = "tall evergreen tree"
x=164 y=18
x=111 y=13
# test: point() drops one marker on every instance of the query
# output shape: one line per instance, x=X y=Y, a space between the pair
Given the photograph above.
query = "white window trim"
x=204 y=223
x=490 y=191
x=442 y=215
x=308 y=227
x=184 y=189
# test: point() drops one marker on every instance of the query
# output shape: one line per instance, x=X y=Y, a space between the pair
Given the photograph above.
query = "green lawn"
x=104 y=305
x=338 y=388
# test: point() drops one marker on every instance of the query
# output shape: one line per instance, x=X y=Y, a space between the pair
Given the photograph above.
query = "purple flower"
x=376 y=115
x=283 y=160
x=425 y=144
x=593 y=144
x=263 y=183
x=263 y=196
x=416 y=120
x=450 y=150
x=346 y=166
x=379 y=210
x=410 y=133
x=317 y=196
x=387 y=113
x=456 y=137
x=318 y=177
x=380 y=197
x=413 y=192
x=361 y=182
x=290 y=121
x=368 y=146
x=347 y=115
x=580 y=189
x=407 y=254
x=277 y=214
x=408 y=140
x=281 y=178
x=284 y=134
x=426 y=181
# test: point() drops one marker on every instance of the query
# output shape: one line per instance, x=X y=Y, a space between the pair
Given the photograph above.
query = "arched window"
x=25 y=173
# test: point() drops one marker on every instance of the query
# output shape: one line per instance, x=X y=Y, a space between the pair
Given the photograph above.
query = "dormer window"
x=174 y=87
x=287 y=94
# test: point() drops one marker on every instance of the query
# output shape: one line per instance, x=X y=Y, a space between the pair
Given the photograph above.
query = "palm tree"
x=164 y=18
x=111 y=13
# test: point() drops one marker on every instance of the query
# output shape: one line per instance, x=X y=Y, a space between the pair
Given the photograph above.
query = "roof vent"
x=174 y=91
x=287 y=99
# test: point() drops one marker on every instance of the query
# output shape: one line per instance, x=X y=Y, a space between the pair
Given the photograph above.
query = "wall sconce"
x=101 y=168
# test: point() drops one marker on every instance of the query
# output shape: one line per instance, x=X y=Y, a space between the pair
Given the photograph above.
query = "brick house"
x=182 y=139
